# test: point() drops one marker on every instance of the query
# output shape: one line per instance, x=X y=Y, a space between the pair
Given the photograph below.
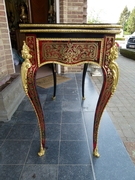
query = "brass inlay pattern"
x=25 y=65
x=31 y=42
x=70 y=51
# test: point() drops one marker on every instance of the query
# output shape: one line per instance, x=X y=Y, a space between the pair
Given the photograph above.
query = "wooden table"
x=69 y=45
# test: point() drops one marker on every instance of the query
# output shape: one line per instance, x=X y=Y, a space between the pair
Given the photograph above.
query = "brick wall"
x=73 y=11
x=6 y=62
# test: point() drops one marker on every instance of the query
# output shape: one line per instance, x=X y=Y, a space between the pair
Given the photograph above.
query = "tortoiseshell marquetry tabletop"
x=68 y=45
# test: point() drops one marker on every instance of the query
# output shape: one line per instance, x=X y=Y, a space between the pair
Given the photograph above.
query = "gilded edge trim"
x=69 y=31
x=25 y=65
x=68 y=39
x=72 y=25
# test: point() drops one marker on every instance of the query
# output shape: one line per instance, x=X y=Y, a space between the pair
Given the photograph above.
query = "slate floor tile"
x=50 y=90
x=52 y=132
x=40 y=172
x=4 y=130
x=71 y=97
x=73 y=132
x=70 y=86
x=88 y=122
x=42 y=90
x=89 y=104
x=22 y=131
x=22 y=105
x=52 y=116
x=28 y=106
x=10 y=172
x=72 y=117
x=59 y=90
x=26 y=117
x=74 y=152
x=14 y=152
x=70 y=91
x=71 y=106
x=75 y=172
x=1 y=142
x=50 y=157
x=71 y=75
x=52 y=106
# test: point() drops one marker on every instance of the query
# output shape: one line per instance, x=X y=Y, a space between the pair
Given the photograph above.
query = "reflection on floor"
x=69 y=122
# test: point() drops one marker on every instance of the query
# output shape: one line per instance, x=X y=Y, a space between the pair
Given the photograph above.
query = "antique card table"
x=69 y=45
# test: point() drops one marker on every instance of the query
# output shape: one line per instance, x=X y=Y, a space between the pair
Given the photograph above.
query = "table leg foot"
x=42 y=151
x=83 y=98
x=95 y=152
x=54 y=97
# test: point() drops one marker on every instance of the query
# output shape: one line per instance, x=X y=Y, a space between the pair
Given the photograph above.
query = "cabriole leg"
x=28 y=72
x=110 y=80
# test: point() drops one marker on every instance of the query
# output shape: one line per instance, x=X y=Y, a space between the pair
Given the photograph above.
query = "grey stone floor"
x=121 y=107
x=69 y=125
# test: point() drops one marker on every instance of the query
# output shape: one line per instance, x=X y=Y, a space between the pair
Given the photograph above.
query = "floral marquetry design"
x=69 y=51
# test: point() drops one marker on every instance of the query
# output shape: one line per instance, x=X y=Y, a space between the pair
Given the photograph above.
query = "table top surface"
x=71 y=28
